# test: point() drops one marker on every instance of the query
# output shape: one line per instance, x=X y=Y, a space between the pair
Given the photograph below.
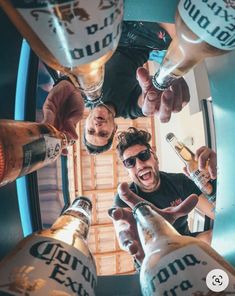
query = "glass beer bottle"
x=74 y=37
x=174 y=264
x=203 y=29
x=55 y=261
x=201 y=178
x=26 y=147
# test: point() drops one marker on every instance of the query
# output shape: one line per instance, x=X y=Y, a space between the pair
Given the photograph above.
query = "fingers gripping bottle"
x=203 y=29
x=55 y=261
x=175 y=265
x=26 y=147
x=74 y=37
x=201 y=178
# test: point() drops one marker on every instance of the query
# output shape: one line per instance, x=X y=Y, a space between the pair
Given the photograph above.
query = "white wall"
x=187 y=128
x=187 y=125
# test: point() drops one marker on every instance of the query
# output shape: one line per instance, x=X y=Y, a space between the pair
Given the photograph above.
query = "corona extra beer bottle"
x=201 y=178
x=203 y=29
x=26 y=147
x=174 y=264
x=54 y=261
x=74 y=37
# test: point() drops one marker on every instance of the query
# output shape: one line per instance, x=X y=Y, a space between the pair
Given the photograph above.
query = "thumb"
x=48 y=116
x=144 y=79
x=129 y=197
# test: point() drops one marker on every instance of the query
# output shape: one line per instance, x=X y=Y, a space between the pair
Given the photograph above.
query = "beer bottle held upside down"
x=203 y=29
x=174 y=264
x=74 y=37
x=26 y=147
x=201 y=178
x=55 y=261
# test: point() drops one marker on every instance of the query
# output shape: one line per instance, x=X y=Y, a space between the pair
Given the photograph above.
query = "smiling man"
x=162 y=189
x=99 y=128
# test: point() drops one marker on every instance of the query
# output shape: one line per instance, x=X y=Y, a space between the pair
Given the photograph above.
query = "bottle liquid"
x=26 y=147
x=74 y=37
x=55 y=261
x=203 y=29
x=175 y=265
x=201 y=178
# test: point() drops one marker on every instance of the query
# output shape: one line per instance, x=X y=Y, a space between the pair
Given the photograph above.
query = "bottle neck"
x=185 y=154
x=70 y=226
x=152 y=227
x=75 y=221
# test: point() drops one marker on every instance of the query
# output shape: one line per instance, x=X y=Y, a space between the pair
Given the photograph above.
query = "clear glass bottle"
x=76 y=38
x=201 y=178
x=203 y=29
x=26 y=147
x=55 y=261
x=174 y=264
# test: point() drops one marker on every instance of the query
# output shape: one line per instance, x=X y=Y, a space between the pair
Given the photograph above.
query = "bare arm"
x=205 y=206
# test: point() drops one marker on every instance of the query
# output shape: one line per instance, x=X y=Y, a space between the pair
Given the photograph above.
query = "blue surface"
x=21 y=185
x=221 y=71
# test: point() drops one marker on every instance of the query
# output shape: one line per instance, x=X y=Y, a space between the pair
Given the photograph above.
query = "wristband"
x=61 y=79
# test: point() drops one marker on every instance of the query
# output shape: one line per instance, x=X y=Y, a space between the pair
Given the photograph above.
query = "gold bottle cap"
x=2 y=162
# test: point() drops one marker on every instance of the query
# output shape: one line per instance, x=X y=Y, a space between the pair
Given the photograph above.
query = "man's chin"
x=147 y=185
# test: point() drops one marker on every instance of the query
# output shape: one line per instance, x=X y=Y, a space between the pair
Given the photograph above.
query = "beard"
x=149 y=185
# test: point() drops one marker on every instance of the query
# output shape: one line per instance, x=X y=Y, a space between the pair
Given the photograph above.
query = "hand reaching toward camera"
x=207 y=159
x=162 y=103
x=64 y=108
x=125 y=225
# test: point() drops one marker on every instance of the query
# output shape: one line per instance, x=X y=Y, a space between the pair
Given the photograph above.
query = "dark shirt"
x=121 y=88
x=174 y=188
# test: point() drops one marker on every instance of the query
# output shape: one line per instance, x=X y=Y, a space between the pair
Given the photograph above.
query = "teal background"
x=221 y=71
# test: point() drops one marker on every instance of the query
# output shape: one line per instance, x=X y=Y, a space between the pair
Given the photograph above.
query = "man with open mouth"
x=163 y=190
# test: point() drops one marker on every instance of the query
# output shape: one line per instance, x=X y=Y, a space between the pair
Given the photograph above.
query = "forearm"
x=206 y=207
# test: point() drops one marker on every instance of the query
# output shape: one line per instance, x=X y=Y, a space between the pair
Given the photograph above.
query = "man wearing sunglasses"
x=166 y=191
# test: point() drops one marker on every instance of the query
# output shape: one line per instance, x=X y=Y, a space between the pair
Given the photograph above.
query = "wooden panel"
x=100 y=176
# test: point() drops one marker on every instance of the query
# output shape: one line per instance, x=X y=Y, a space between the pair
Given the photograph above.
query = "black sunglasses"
x=130 y=162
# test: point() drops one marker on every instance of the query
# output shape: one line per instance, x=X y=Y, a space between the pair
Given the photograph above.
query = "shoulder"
x=180 y=182
x=173 y=177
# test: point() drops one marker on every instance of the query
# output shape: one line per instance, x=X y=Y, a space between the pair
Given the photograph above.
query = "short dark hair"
x=132 y=137
x=93 y=149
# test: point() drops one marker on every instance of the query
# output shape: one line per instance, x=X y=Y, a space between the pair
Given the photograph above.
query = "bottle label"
x=49 y=267
x=211 y=20
x=182 y=273
x=45 y=149
x=202 y=179
x=75 y=32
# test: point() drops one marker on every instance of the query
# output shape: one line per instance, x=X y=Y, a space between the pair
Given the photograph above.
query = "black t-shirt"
x=121 y=88
x=174 y=188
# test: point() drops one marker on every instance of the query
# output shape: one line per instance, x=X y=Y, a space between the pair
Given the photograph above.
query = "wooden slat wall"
x=97 y=177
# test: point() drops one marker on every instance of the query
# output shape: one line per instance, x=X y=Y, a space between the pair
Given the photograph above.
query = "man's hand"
x=125 y=225
x=64 y=108
x=162 y=103
x=207 y=160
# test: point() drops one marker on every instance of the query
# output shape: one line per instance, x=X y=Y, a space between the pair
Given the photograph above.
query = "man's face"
x=99 y=126
x=145 y=173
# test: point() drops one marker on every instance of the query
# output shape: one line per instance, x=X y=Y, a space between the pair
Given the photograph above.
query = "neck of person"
x=155 y=188
x=111 y=109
